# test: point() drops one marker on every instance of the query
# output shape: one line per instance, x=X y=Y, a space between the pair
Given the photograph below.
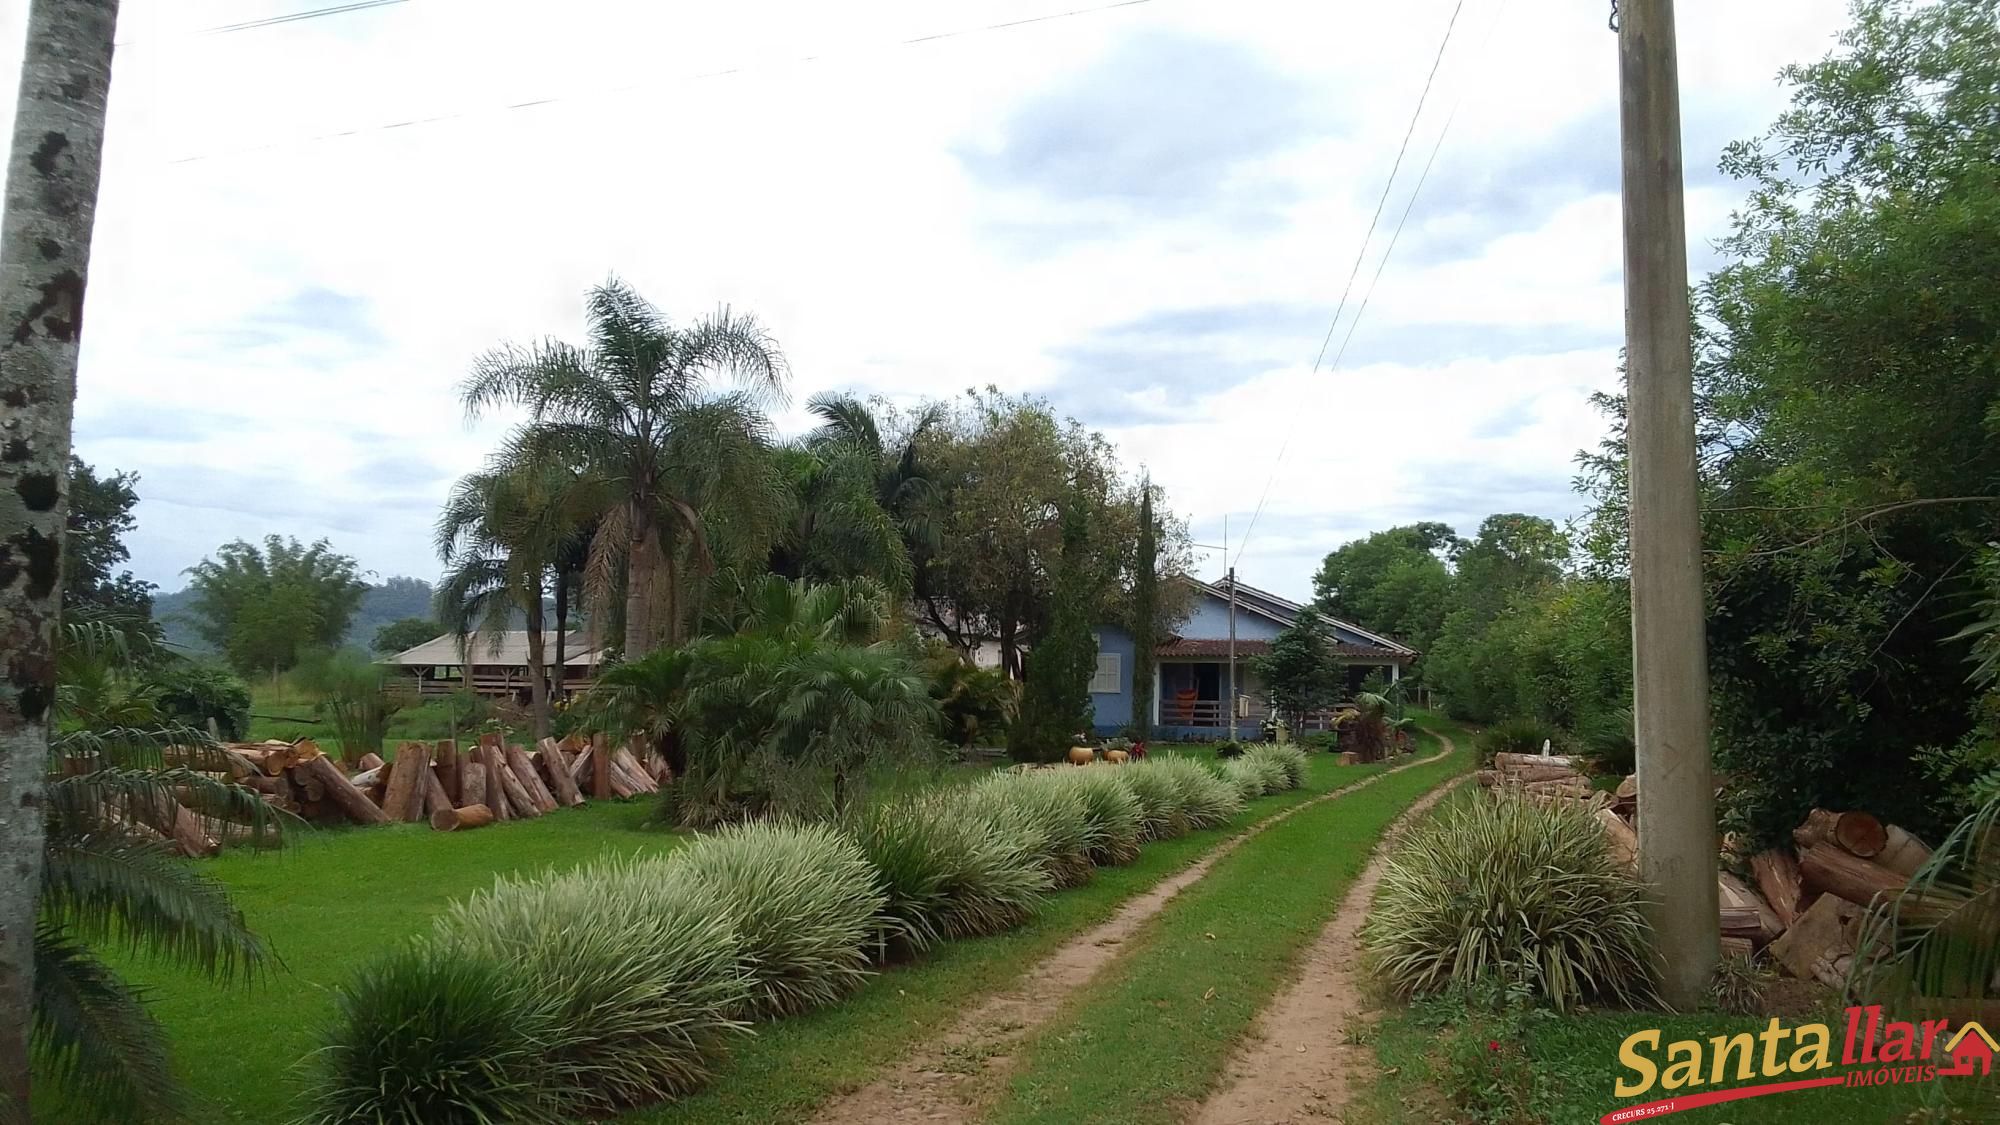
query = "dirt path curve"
x=1297 y=1064
x=948 y=1077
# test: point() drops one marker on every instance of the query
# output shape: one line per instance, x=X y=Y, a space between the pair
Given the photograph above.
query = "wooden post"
x=1677 y=853
x=445 y=762
x=404 y=782
x=600 y=766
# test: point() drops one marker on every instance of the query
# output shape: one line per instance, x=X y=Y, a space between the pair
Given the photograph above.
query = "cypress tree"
x=1145 y=614
x=1055 y=700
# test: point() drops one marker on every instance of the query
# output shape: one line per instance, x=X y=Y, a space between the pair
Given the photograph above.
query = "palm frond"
x=118 y=889
x=845 y=419
x=1941 y=937
x=93 y=1038
x=736 y=344
x=111 y=798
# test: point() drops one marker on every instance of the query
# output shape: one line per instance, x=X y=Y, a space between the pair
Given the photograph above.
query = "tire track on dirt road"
x=949 y=1077
x=1298 y=1063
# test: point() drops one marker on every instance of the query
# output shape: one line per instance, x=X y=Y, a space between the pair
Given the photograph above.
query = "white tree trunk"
x=52 y=173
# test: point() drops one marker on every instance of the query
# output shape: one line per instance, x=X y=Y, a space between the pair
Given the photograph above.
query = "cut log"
x=472 y=784
x=1735 y=893
x=1575 y=787
x=344 y=793
x=1777 y=875
x=310 y=787
x=444 y=763
x=1857 y=832
x=1628 y=789
x=1809 y=949
x=371 y=761
x=519 y=803
x=496 y=793
x=550 y=748
x=1830 y=870
x=531 y=779
x=1487 y=778
x=1902 y=852
x=458 y=820
x=190 y=838
x=368 y=779
x=1738 y=947
x=419 y=755
x=435 y=797
x=1624 y=842
x=580 y=769
x=554 y=769
x=240 y=766
x=404 y=784
x=1537 y=773
x=635 y=774
x=600 y=766
x=1503 y=761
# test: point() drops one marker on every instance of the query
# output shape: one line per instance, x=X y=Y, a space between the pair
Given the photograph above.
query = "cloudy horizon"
x=1145 y=214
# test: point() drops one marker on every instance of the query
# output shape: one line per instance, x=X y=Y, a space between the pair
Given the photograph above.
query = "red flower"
x=1492 y=1044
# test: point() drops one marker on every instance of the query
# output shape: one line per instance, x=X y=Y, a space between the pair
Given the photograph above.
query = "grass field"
x=1149 y=1036
x=329 y=902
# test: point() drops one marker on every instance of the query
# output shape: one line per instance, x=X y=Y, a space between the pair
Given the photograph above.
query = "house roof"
x=1206 y=648
x=579 y=651
x=1284 y=611
x=1966 y=1031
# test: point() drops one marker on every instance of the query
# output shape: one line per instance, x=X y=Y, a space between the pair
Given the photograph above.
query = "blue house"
x=1191 y=678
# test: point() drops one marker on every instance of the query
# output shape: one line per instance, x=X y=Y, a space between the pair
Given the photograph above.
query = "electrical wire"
x=1361 y=254
x=296 y=17
x=934 y=37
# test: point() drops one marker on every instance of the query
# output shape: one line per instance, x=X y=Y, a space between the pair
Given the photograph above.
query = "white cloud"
x=835 y=199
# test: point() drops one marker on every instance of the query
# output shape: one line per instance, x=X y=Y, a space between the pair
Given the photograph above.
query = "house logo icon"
x=1971 y=1052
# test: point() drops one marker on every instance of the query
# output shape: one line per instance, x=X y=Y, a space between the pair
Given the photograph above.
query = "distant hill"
x=393 y=600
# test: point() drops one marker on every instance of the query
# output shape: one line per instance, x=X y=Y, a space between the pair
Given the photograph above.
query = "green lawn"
x=1149 y=1037
x=330 y=901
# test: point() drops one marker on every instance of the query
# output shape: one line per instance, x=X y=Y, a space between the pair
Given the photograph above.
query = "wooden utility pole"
x=1677 y=844
x=51 y=197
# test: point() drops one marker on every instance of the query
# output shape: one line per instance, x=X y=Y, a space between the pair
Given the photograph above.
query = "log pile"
x=453 y=789
x=1802 y=906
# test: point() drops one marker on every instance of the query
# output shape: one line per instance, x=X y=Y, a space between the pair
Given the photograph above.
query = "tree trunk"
x=538 y=666
x=50 y=201
x=561 y=668
x=642 y=566
x=1010 y=650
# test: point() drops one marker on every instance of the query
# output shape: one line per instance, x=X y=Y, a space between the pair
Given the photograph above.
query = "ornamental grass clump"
x=1162 y=816
x=427 y=1035
x=1206 y=800
x=1288 y=759
x=641 y=961
x=1502 y=889
x=1113 y=812
x=1249 y=778
x=803 y=903
x=943 y=875
x=1052 y=816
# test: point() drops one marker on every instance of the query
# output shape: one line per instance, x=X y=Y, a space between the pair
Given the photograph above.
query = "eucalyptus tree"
x=636 y=411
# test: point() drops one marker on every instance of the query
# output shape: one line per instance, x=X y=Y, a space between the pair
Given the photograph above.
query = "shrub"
x=1522 y=735
x=193 y=693
x=1608 y=737
x=1229 y=749
x=426 y=1035
x=1112 y=811
x=1499 y=889
x=641 y=961
x=1161 y=813
x=803 y=902
x=943 y=875
x=1051 y=815
x=1290 y=762
x=1206 y=801
x=1247 y=777
x=1321 y=741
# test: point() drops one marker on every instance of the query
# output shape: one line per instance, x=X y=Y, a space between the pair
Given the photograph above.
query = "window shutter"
x=1108 y=678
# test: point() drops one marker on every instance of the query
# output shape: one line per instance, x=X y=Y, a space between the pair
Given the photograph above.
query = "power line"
x=1359 y=255
x=934 y=37
x=296 y=17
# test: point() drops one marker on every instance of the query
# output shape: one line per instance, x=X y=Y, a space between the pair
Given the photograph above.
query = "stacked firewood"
x=450 y=787
x=1807 y=902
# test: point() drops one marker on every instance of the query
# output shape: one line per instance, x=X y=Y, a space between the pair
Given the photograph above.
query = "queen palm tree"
x=634 y=410
x=903 y=485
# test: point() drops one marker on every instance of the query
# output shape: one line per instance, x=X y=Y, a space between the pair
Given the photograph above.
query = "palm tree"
x=53 y=165
x=903 y=485
x=108 y=878
x=835 y=526
x=503 y=536
x=635 y=412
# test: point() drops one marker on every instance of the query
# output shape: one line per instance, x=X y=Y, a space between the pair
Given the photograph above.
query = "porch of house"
x=1191 y=699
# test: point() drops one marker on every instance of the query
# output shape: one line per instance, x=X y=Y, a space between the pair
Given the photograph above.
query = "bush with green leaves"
x=426 y=1035
x=642 y=960
x=1162 y=815
x=803 y=902
x=1290 y=762
x=944 y=876
x=1113 y=812
x=192 y=694
x=1321 y=741
x=1249 y=778
x=1053 y=817
x=1520 y=735
x=1206 y=801
x=1501 y=889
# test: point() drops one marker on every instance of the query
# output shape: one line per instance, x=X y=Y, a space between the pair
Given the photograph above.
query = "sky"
x=1147 y=214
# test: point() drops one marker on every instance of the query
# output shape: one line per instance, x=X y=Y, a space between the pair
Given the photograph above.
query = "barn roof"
x=579 y=650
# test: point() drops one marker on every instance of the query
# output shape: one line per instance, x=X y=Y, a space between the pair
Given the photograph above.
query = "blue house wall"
x=1113 y=710
x=1210 y=622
